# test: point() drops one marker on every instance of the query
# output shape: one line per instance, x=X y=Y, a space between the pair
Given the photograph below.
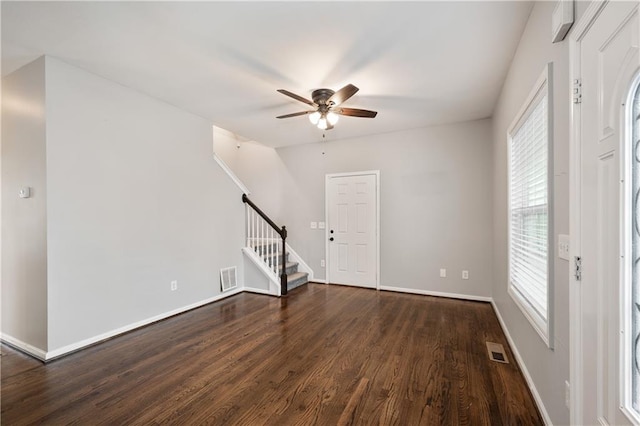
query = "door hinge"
x=577 y=91
x=578 y=268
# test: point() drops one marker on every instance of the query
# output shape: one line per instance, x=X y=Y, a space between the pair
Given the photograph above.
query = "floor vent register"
x=496 y=352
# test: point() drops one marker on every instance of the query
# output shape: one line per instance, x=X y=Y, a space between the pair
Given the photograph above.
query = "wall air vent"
x=496 y=352
x=228 y=278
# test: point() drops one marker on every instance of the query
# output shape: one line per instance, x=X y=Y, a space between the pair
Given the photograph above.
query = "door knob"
x=331 y=239
x=331 y=231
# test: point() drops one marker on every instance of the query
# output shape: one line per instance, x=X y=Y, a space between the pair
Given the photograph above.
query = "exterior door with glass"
x=605 y=59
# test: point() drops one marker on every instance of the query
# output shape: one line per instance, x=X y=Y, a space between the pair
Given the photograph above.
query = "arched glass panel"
x=634 y=303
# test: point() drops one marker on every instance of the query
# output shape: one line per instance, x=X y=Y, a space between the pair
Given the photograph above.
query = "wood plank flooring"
x=326 y=355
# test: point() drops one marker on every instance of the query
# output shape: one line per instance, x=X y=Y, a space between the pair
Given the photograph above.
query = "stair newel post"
x=283 y=276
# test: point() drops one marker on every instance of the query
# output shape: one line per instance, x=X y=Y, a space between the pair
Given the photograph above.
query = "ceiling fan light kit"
x=326 y=101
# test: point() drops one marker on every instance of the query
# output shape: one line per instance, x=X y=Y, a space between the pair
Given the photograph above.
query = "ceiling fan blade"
x=343 y=94
x=295 y=114
x=296 y=97
x=354 y=112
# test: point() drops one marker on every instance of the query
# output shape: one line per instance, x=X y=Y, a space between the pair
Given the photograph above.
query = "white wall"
x=126 y=198
x=435 y=191
x=259 y=168
x=24 y=229
x=135 y=201
x=548 y=369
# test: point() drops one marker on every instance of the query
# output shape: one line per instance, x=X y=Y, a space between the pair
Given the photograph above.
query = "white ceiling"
x=416 y=63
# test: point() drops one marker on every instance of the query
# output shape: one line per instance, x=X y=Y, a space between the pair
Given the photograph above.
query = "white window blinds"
x=529 y=211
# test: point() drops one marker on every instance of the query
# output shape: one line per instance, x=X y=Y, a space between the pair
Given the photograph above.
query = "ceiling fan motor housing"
x=320 y=96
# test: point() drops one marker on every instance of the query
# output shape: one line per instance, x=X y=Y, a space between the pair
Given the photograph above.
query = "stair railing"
x=262 y=237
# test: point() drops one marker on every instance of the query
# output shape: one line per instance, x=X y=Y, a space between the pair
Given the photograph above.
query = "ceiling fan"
x=326 y=106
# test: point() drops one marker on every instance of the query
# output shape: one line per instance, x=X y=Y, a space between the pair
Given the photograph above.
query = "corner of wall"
x=24 y=220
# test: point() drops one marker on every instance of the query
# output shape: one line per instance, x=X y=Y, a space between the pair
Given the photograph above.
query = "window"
x=530 y=153
x=631 y=288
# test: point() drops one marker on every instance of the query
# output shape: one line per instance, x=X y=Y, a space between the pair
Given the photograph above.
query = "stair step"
x=297 y=279
x=292 y=268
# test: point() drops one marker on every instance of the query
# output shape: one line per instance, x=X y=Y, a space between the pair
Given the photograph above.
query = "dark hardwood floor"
x=326 y=355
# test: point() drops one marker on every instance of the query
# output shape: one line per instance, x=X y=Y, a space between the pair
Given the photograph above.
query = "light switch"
x=24 y=192
x=314 y=225
x=563 y=246
x=321 y=225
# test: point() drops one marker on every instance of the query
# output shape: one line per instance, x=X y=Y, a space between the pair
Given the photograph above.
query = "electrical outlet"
x=567 y=394
x=322 y=264
x=443 y=273
x=465 y=275
x=321 y=225
x=174 y=285
x=314 y=225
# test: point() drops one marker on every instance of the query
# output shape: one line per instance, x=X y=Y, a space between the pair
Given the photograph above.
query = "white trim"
x=575 y=290
x=259 y=291
x=302 y=265
x=253 y=256
x=231 y=175
x=542 y=87
x=48 y=356
x=535 y=322
x=317 y=281
x=24 y=347
x=376 y=173
x=436 y=293
x=523 y=367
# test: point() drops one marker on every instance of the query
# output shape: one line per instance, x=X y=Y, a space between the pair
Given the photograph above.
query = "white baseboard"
x=48 y=356
x=316 y=281
x=24 y=347
x=436 y=293
x=259 y=291
x=523 y=367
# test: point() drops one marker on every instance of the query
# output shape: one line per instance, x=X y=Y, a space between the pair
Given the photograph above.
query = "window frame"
x=626 y=265
x=543 y=86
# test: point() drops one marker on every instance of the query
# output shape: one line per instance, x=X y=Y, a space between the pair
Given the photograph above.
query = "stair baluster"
x=261 y=238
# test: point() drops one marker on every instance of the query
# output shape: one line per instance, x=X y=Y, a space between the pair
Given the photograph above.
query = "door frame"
x=375 y=173
x=575 y=152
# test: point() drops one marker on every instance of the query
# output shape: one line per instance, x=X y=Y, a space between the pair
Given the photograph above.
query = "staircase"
x=270 y=253
x=266 y=244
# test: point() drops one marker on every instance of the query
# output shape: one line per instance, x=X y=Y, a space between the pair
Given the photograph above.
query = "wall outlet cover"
x=563 y=246
x=24 y=192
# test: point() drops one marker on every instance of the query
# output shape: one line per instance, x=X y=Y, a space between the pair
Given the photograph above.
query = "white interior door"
x=605 y=59
x=352 y=229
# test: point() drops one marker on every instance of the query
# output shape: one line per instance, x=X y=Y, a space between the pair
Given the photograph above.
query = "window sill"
x=538 y=325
